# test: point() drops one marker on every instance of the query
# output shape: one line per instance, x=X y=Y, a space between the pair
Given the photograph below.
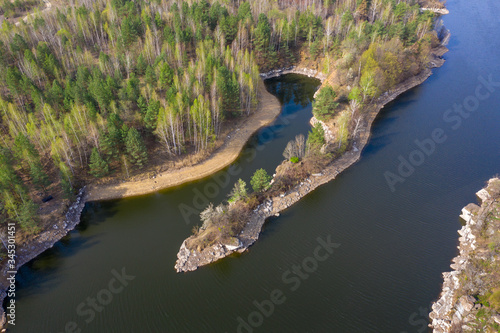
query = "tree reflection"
x=300 y=88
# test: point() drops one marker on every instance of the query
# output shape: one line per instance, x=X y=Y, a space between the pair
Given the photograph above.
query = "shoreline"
x=457 y=307
x=190 y=260
x=44 y=241
x=269 y=108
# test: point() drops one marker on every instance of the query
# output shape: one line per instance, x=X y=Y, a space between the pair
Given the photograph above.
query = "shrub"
x=294 y=159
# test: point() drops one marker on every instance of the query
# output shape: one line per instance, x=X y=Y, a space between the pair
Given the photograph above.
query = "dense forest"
x=91 y=89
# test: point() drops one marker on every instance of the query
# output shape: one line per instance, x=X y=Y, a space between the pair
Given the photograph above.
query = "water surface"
x=394 y=244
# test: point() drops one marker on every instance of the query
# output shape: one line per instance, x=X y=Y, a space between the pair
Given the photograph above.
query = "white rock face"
x=450 y=314
x=329 y=137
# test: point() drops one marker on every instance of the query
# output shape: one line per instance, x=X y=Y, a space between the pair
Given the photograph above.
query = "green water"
x=393 y=244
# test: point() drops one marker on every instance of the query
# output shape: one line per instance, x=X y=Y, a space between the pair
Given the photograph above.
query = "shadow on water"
x=44 y=269
x=95 y=213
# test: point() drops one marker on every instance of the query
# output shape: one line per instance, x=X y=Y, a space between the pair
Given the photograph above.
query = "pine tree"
x=98 y=166
x=136 y=149
x=262 y=35
x=150 y=118
x=324 y=104
x=316 y=137
x=150 y=77
x=26 y=153
x=140 y=68
x=260 y=180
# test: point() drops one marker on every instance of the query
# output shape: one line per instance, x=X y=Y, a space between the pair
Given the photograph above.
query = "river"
x=393 y=244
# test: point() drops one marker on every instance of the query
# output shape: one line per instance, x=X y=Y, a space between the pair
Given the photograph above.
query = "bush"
x=294 y=159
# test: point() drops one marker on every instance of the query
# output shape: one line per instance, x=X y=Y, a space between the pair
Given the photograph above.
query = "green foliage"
x=343 y=131
x=228 y=88
x=294 y=159
x=136 y=149
x=238 y=192
x=150 y=118
x=262 y=35
x=355 y=94
x=118 y=68
x=112 y=141
x=260 y=180
x=98 y=166
x=316 y=137
x=26 y=152
x=324 y=104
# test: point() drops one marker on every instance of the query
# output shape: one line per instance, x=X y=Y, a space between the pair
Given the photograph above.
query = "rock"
x=466 y=303
x=483 y=195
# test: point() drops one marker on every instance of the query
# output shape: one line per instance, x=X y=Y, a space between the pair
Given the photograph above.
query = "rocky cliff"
x=470 y=298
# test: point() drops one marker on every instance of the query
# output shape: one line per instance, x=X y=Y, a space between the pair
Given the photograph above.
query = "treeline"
x=89 y=88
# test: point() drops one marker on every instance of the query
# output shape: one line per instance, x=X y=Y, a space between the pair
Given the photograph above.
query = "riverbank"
x=190 y=260
x=470 y=298
x=267 y=110
x=43 y=241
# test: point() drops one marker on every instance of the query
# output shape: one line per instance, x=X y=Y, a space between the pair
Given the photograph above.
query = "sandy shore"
x=269 y=108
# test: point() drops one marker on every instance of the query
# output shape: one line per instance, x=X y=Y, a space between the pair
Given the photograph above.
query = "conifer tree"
x=136 y=149
x=98 y=166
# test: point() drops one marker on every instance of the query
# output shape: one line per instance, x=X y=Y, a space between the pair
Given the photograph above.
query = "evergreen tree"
x=324 y=103
x=98 y=166
x=112 y=140
x=26 y=153
x=136 y=149
x=140 y=68
x=150 y=77
x=262 y=35
x=150 y=118
x=316 y=137
x=260 y=180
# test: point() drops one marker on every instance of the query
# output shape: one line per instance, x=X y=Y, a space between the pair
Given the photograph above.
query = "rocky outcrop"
x=457 y=308
x=44 y=241
x=440 y=11
x=294 y=70
x=329 y=137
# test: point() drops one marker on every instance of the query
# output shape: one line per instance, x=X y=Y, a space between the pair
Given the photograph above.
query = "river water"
x=392 y=244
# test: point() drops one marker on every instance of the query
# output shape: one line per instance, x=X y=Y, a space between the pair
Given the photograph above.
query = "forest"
x=94 y=88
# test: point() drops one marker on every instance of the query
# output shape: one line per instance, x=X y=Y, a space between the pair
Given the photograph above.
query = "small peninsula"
x=101 y=100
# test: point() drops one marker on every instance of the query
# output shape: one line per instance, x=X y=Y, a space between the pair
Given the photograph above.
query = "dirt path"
x=269 y=108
